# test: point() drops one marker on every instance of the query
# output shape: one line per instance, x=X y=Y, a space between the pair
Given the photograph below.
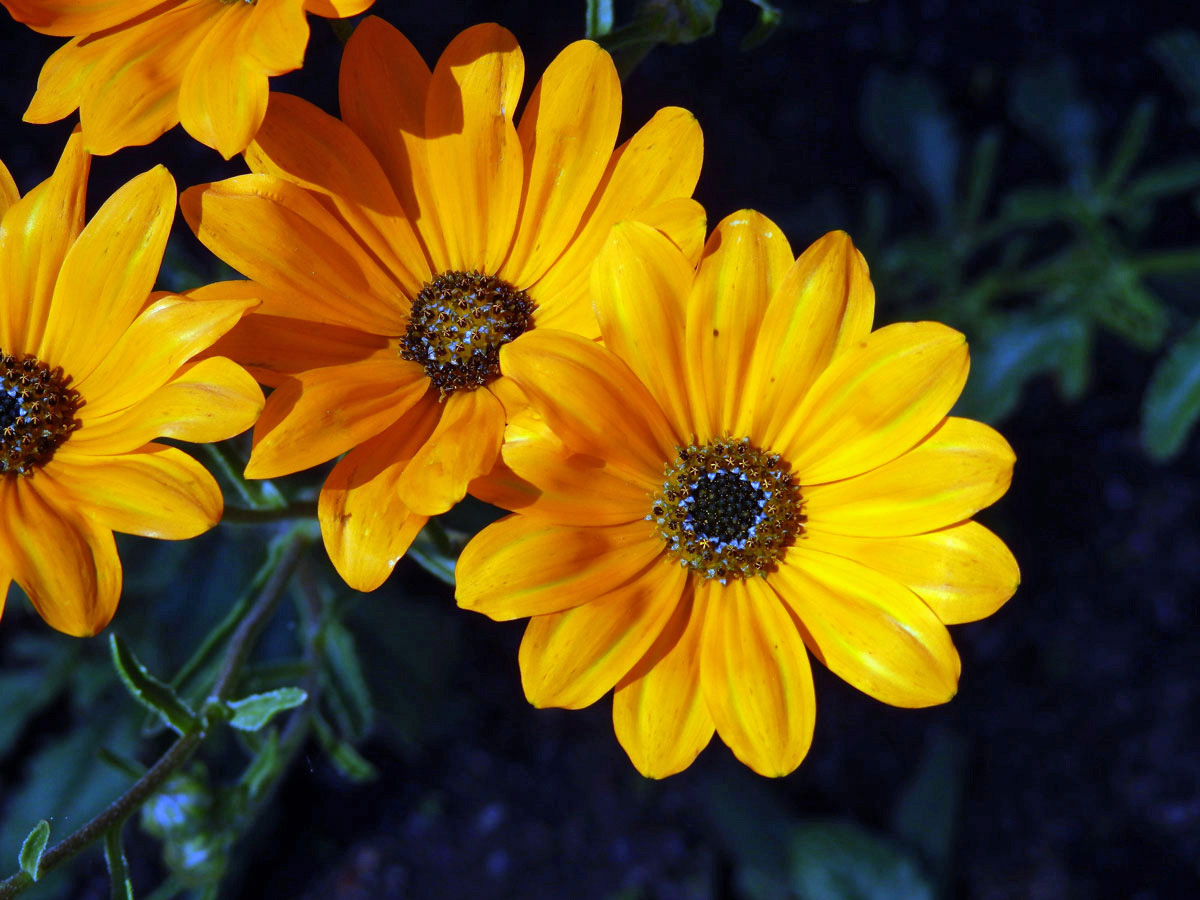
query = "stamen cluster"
x=727 y=509
x=458 y=324
x=37 y=412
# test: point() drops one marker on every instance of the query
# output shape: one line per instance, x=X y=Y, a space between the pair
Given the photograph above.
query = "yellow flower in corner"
x=398 y=248
x=93 y=367
x=135 y=69
x=745 y=473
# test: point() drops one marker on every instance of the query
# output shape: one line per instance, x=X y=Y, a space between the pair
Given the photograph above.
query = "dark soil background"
x=1077 y=723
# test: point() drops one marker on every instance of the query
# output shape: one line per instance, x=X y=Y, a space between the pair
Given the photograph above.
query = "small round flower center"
x=727 y=509
x=458 y=324
x=37 y=413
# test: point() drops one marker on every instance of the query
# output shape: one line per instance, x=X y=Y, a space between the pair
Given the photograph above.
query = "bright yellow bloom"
x=134 y=69
x=743 y=470
x=397 y=248
x=93 y=367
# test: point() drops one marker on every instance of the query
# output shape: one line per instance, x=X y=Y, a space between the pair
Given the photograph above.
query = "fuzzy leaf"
x=253 y=712
x=149 y=691
x=30 y=857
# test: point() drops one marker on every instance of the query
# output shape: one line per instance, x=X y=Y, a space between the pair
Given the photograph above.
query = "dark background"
x=1071 y=751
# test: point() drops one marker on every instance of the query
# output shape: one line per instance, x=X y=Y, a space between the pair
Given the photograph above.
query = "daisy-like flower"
x=134 y=69
x=93 y=368
x=744 y=470
x=396 y=249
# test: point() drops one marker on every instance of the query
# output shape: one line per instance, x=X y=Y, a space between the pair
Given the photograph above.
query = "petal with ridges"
x=69 y=17
x=684 y=221
x=755 y=675
x=8 y=189
x=276 y=34
x=63 y=80
x=868 y=629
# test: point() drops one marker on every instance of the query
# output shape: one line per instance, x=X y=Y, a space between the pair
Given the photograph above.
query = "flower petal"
x=276 y=35
x=755 y=675
x=322 y=413
x=568 y=131
x=571 y=659
x=960 y=468
x=659 y=712
x=366 y=526
x=68 y=17
x=823 y=306
x=868 y=629
x=8 y=189
x=526 y=566
x=473 y=154
x=876 y=401
x=963 y=573
x=64 y=80
x=684 y=221
x=337 y=9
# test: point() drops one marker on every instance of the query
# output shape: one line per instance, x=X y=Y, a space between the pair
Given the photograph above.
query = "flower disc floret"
x=728 y=509
x=459 y=322
x=37 y=412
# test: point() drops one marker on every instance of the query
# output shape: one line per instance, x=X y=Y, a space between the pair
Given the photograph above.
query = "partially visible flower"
x=93 y=367
x=134 y=69
x=742 y=471
x=397 y=249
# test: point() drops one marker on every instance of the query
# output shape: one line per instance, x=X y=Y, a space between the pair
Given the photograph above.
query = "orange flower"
x=135 y=69
x=397 y=249
x=93 y=367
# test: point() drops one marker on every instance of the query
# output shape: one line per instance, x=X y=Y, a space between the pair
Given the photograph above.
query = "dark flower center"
x=37 y=413
x=727 y=509
x=458 y=324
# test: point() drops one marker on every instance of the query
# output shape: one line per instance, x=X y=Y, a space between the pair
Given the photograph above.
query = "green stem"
x=237 y=515
x=118 y=869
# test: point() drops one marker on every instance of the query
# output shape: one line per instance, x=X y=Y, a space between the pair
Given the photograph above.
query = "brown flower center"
x=727 y=509
x=37 y=413
x=458 y=324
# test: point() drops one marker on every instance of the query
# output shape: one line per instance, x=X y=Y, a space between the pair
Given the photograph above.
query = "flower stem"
x=237 y=515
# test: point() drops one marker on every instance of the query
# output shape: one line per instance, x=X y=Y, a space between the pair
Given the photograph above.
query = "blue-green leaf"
x=1171 y=406
x=149 y=691
x=599 y=18
x=30 y=857
x=842 y=861
x=253 y=712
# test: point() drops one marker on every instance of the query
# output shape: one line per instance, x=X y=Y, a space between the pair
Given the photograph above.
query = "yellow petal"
x=571 y=659
x=640 y=284
x=963 y=573
x=337 y=9
x=65 y=562
x=64 y=80
x=743 y=264
x=823 y=306
x=68 y=17
x=472 y=151
x=591 y=400
x=322 y=413
x=526 y=566
x=276 y=35
x=869 y=629
x=568 y=131
x=960 y=468
x=876 y=401
x=8 y=189
x=108 y=274
x=684 y=221
x=309 y=147
x=156 y=491
x=366 y=526
x=659 y=712
x=755 y=675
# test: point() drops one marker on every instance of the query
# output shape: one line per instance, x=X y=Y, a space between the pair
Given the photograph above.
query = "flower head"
x=397 y=249
x=135 y=69
x=744 y=470
x=93 y=367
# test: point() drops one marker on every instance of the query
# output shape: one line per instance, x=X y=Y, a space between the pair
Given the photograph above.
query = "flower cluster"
x=715 y=467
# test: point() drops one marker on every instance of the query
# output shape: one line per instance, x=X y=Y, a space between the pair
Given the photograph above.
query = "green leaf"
x=253 y=712
x=1130 y=147
x=1178 y=52
x=348 y=761
x=1035 y=206
x=118 y=870
x=842 y=861
x=149 y=691
x=346 y=680
x=262 y=770
x=1171 y=405
x=769 y=17
x=925 y=814
x=34 y=845
x=1045 y=101
x=599 y=18
x=659 y=22
x=982 y=175
x=1176 y=178
x=433 y=551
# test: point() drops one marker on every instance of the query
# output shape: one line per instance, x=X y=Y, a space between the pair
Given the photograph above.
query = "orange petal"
x=108 y=274
x=963 y=573
x=8 y=189
x=366 y=526
x=322 y=413
x=337 y=9
x=568 y=131
x=65 y=562
x=823 y=306
x=591 y=400
x=876 y=401
x=744 y=261
x=571 y=659
x=526 y=566
x=64 y=80
x=276 y=35
x=473 y=154
x=755 y=675
x=684 y=221
x=659 y=712
x=868 y=629
x=69 y=17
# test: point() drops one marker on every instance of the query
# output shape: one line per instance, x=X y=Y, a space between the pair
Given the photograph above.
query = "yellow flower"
x=93 y=367
x=743 y=470
x=396 y=249
x=136 y=68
